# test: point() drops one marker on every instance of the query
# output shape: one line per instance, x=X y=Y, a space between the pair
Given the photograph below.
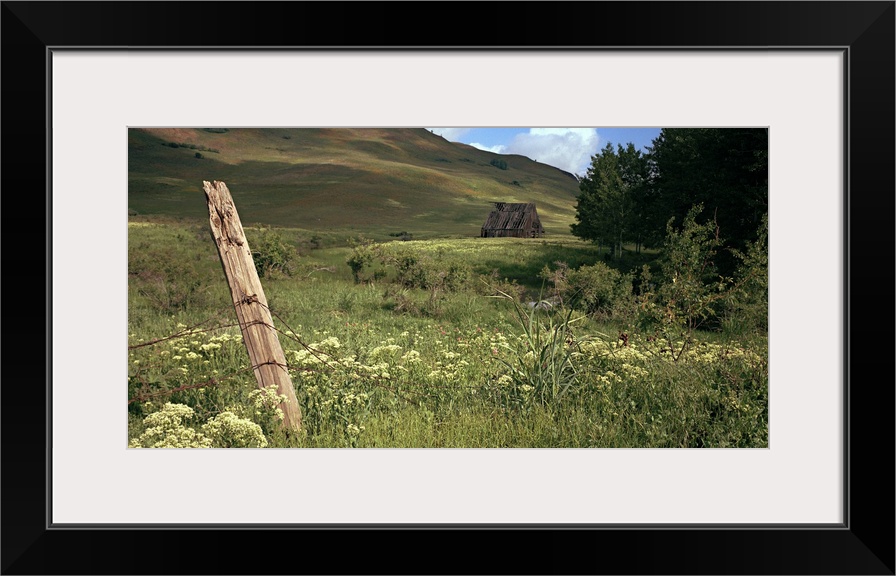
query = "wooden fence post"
x=259 y=336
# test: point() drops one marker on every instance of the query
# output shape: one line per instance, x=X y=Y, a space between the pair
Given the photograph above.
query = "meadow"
x=394 y=341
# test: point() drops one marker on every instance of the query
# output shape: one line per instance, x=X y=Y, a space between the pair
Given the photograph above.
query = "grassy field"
x=428 y=343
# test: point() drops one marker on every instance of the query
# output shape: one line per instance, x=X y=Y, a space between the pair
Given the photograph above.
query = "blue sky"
x=569 y=149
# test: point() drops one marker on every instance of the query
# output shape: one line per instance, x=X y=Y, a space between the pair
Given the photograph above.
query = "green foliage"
x=165 y=278
x=610 y=203
x=271 y=252
x=333 y=397
x=691 y=289
x=597 y=290
x=627 y=197
x=437 y=273
x=600 y=290
x=471 y=371
x=725 y=169
x=499 y=164
x=746 y=305
x=493 y=284
x=361 y=257
x=542 y=371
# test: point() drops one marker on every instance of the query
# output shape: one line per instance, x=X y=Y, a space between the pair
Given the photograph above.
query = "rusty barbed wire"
x=327 y=359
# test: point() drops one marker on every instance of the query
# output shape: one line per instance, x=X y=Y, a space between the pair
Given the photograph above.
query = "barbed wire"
x=216 y=323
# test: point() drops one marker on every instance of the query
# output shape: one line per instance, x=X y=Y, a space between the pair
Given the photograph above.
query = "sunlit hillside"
x=360 y=179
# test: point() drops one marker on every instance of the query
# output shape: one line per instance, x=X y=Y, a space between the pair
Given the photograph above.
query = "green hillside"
x=361 y=179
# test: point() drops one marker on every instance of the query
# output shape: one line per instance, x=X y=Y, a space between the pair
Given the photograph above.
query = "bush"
x=362 y=257
x=746 y=308
x=597 y=290
x=500 y=164
x=167 y=280
x=421 y=270
x=495 y=285
x=690 y=292
x=272 y=253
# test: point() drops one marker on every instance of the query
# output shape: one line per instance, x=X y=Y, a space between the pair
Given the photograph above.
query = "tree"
x=634 y=170
x=608 y=209
x=690 y=290
x=725 y=169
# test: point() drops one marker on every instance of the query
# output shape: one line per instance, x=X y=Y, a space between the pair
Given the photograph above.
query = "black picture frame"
x=864 y=544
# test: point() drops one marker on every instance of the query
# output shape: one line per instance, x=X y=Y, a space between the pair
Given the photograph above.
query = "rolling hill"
x=360 y=179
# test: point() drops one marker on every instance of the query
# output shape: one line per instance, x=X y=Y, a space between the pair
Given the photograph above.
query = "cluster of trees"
x=630 y=197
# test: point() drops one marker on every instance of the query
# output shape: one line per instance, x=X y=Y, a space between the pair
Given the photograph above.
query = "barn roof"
x=508 y=216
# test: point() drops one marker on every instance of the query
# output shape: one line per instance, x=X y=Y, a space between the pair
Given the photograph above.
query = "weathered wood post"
x=259 y=336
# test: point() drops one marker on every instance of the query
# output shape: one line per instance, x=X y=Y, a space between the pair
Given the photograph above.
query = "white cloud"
x=497 y=148
x=569 y=149
x=451 y=134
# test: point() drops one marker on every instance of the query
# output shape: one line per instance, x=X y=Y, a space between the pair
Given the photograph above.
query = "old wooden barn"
x=513 y=220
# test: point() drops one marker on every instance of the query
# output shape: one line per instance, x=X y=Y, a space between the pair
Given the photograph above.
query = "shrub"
x=272 y=253
x=746 y=307
x=690 y=291
x=599 y=290
x=500 y=164
x=361 y=257
x=495 y=285
x=167 y=280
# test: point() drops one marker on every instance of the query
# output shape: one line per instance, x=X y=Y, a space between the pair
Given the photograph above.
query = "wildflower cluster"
x=170 y=427
x=193 y=356
x=635 y=353
x=227 y=430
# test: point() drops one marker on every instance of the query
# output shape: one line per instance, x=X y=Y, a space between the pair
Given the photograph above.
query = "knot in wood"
x=251 y=299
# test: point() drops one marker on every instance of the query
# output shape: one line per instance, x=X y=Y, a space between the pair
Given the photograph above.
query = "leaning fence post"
x=259 y=336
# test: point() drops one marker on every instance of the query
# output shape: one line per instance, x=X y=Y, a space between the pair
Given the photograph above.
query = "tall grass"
x=483 y=369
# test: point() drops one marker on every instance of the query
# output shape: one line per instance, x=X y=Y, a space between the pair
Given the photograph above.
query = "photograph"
x=448 y=287
x=541 y=250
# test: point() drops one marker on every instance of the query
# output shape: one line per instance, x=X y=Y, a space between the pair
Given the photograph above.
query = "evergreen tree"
x=725 y=169
x=608 y=210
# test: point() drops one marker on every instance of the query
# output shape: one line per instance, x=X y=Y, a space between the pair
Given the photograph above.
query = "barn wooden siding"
x=513 y=220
